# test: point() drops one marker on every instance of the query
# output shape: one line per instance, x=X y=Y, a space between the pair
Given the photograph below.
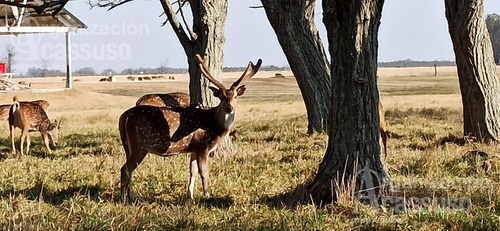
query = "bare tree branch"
x=53 y=7
x=108 y=3
x=188 y=28
x=183 y=37
x=186 y=42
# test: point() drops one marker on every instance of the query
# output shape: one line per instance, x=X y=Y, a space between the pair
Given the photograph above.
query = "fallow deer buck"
x=174 y=99
x=166 y=131
x=31 y=116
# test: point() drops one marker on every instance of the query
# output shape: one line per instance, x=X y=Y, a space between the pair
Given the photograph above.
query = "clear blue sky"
x=131 y=36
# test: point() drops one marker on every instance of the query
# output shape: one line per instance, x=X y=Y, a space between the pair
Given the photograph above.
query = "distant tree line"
x=42 y=72
x=158 y=70
x=264 y=68
x=90 y=71
x=493 y=25
x=412 y=63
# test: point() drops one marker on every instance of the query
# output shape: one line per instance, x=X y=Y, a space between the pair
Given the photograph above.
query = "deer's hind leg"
x=134 y=158
x=28 y=142
x=193 y=171
x=12 y=141
x=24 y=133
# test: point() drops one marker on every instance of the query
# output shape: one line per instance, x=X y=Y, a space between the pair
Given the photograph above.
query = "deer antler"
x=204 y=69
x=247 y=75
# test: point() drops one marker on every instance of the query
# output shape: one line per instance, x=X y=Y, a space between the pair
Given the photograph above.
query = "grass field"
x=439 y=182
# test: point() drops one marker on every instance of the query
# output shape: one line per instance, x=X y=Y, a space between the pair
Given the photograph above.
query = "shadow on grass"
x=210 y=202
x=217 y=202
x=71 y=145
x=452 y=139
x=433 y=142
x=290 y=199
x=470 y=164
x=47 y=195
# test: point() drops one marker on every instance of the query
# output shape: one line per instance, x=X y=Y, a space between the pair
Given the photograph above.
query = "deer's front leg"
x=45 y=138
x=203 y=170
x=193 y=168
x=12 y=134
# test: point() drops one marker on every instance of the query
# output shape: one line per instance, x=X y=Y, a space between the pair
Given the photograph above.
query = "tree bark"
x=209 y=19
x=479 y=83
x=293 y=23
x=353 y=153
x=493 y=26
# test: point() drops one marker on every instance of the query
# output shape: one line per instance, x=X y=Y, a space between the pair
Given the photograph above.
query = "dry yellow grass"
x=77 y=187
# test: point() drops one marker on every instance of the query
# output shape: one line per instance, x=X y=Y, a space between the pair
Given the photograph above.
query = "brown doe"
x=31 y=116
x=174 y=99
x=166 y=131
x=4 y=109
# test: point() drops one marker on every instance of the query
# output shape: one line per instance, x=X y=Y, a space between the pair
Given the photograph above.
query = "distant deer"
x=26 y=116
x=174 y=99
x=382 y=126
x=167 y=131
x=4 y=109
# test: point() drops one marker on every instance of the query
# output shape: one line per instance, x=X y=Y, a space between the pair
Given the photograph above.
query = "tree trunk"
x=209 y=19
x=353 y=153
x=293 y=23
x=493 y=26
x=479 y=83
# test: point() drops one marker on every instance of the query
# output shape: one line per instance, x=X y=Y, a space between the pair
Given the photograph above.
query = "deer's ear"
x=216 y=92
x=240 y=90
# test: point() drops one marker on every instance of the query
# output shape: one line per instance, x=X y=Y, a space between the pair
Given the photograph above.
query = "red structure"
x=2 y=68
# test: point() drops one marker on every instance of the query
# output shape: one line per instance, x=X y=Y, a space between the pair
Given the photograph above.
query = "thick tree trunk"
x=353 y=153
x=293 y=23
x=209 y=19
x=493 y=26
x=479 y=83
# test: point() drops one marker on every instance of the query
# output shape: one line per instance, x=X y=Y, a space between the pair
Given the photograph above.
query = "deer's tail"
x=13 y=110
x=14 y=106
x=16 y=101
